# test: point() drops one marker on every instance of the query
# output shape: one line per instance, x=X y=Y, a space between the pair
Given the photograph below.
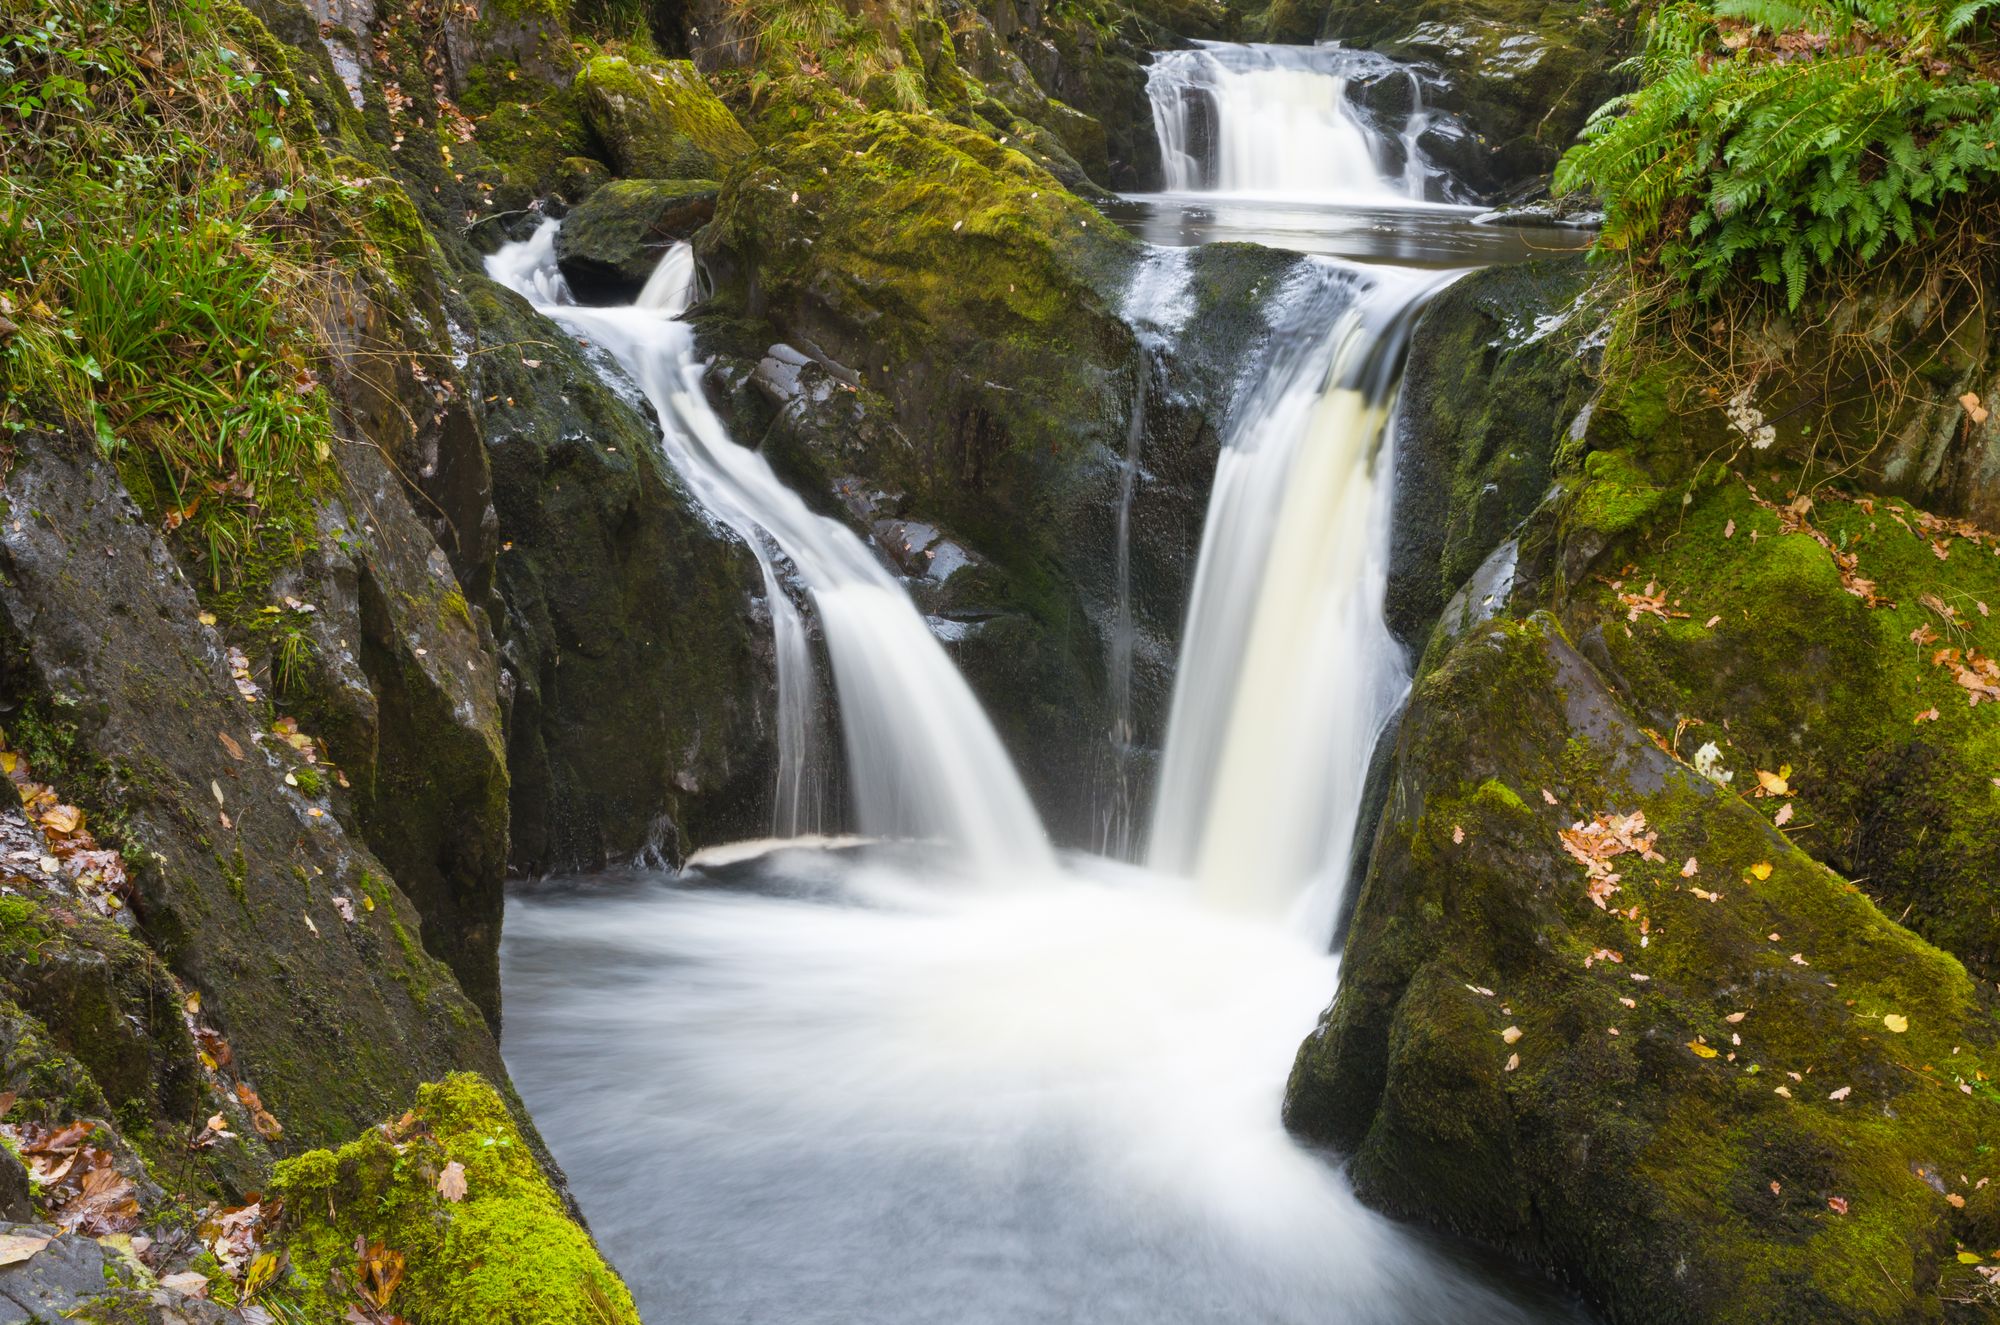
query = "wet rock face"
x=1522 y=75
x=1494 y=378
x=334 y=1020
x=1654 y=1098
x=610 y=243
x=847 y=352
x=640 y=677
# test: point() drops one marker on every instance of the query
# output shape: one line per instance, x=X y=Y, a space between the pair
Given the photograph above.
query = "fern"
x=1771 y=140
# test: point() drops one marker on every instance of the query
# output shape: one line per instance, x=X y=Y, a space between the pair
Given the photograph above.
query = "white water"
x=1288 y=671
x=820 y=1087
x=1277 y=121
x=922 y=759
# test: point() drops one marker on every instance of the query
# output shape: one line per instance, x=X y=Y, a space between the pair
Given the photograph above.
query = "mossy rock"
x=1495 y=376
x=659 y=119
x=507 y=1253
x=610 y=244
x=1792 y=1163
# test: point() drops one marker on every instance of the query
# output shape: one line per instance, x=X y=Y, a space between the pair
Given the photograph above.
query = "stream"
x=942 y=1071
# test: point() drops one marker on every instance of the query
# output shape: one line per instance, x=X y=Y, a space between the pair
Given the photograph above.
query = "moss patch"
x=507 y=1254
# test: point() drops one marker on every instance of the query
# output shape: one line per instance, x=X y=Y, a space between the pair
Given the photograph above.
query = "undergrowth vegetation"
x=158 y=284
x=1770 y=141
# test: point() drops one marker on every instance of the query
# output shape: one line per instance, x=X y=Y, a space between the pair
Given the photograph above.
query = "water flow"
x=1157 y=306
x=1279 y=121
x=1288 y=671
x=923 y=761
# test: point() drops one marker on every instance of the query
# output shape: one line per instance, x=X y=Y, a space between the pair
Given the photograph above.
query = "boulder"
x=1726 y=1090
x=658 y=119
x=611 y=242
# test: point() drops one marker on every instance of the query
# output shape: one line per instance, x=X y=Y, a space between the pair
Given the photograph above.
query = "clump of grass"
x=159 y=283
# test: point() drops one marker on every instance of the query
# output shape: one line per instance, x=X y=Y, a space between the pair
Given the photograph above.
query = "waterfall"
x=923 y=761
x=1279 y=121
x=1288 y=671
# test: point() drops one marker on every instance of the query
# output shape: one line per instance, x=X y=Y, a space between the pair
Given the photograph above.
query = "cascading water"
x=1288 y=671
x=923 y=761
x=1278 y=121
x=822 y=1086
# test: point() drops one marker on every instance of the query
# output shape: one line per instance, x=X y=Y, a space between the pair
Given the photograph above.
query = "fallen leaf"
x=1511 y=1034
x=1841 y=1094
x=1973 y=409
x=1956 y=1202
x=1928 y=715
x=1692 y=868
x=1548 y=796
x=1775 y=784
x=1799 y=959
x=18 y=1247
x=187 y=1283
x=64 y=819
x=1513 y=1061
x=1786 y=1091
x=345 y=907
x=451 y=1183
x=381 y=1272
x=1784 y=815
x=1701 y=1050
x=1736 y=1018
x=1760 y=871
x=1457 y=834
x=1729 y=530
x=1837 y=1204
x=1895 y=1022
x=1711 y=623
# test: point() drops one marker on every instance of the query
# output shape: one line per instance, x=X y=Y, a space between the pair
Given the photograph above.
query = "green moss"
x=1615 y=497
x=659 y=119
x=1658 y=1164
x=507 y=1253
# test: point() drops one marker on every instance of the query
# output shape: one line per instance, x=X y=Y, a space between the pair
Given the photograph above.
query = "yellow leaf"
x=1511 y=1034
x=1896 y=1022
x=9 y=761
x=1775 y=784
x=1970 y=1258
x=1761 y=871
x=62 y=819
x=262 y=1271
x=1701 y=1050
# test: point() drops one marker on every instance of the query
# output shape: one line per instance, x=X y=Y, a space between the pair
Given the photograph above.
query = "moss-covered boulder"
x=1525 y=74
x=612 y=241
x=658 y=120
x=1701 y=1075
x=449 y=1207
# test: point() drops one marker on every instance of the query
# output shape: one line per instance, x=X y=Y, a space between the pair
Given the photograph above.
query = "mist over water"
x=951 y=1077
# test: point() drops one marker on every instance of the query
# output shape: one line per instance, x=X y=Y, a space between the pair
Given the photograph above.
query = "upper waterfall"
x=923 y=760
x=1282 y=121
